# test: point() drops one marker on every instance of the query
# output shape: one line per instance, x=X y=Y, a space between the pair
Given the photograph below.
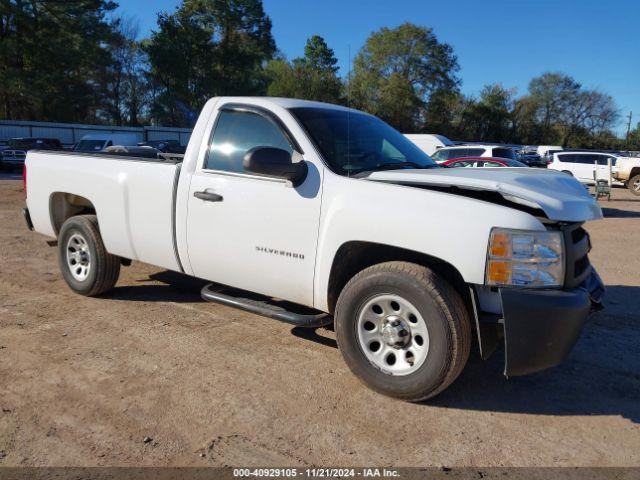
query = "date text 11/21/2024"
x=316 y=472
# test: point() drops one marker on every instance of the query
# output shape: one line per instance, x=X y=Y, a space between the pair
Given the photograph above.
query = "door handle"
x=208 y=196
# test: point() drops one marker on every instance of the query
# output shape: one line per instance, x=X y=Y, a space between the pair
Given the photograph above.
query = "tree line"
x=76 y=61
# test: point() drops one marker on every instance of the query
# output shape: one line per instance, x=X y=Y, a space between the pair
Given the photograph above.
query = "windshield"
x=504 y=153
x=89 y=146
x=353 y=142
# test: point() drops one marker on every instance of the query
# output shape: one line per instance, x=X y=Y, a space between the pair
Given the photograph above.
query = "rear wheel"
x=634 y=184
x=403 y=330
x=85 y=264
x=567 y=172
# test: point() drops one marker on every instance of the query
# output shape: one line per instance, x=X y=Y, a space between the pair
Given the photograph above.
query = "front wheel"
x=403 y=330
x=634 y=185
x=85 y=264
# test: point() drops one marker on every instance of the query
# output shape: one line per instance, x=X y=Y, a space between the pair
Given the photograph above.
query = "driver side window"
x=237 y=132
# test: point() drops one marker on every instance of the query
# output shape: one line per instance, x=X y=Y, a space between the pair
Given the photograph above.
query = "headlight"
x=522 y=258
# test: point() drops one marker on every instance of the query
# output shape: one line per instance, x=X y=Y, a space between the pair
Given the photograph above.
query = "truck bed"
x=134 y=199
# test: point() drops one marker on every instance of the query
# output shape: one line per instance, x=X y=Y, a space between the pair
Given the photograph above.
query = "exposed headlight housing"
x=523 y=258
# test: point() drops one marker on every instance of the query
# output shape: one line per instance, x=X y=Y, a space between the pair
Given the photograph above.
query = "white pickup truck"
x=332 y=210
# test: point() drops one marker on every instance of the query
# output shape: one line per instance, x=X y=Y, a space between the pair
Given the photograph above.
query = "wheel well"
x=634 y=171
x=63 y=206
x=353 y=257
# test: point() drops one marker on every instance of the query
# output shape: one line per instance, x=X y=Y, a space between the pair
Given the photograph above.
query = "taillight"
x=24 y=179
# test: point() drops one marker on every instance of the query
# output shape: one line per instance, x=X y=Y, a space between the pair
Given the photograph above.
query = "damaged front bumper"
x=539 y=327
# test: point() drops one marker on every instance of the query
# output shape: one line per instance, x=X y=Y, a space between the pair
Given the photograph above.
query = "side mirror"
x=275 y=162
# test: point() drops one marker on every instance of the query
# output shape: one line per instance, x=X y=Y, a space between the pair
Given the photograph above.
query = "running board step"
x=263 y=307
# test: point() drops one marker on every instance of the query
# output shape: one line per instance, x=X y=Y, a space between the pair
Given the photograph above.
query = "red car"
x=481 y=162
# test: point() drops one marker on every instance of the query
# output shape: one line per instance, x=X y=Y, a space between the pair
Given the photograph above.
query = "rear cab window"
x=504 y=153
x=474 y=152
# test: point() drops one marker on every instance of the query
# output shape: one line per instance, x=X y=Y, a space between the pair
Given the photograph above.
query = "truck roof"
x=284 y=102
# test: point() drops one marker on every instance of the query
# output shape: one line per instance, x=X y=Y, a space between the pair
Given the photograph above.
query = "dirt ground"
x=83 y=381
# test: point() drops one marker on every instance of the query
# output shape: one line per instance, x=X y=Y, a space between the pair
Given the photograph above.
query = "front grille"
x=578 y=267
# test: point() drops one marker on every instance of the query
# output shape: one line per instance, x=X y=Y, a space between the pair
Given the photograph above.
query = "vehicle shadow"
x=176 y=287
x=314 y=335
x=617 y=213
x=601 y=376
x=180 y=288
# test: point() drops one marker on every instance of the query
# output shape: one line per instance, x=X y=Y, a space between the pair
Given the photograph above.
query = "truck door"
x=249 y=231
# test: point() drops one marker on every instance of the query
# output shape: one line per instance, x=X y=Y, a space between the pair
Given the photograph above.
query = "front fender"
x=448 y=227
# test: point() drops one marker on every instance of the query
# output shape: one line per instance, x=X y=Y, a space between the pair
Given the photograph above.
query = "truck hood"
x=560 y=196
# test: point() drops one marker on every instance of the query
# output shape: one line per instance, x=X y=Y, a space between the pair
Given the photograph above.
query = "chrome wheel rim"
x=78 y=257
x=392 y=334
x=636 y=185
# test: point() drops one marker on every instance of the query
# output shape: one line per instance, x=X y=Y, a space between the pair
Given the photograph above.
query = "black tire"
x=104 y=268
x=567 y=172
x=634 y=185
x=444 y=313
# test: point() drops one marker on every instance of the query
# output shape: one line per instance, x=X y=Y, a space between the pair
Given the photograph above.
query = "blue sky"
x=497 y=41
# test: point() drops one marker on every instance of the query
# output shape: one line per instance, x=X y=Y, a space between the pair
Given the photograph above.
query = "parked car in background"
x=531 y=158
x=481 y=162
x=13 y=156
x=165 y=146
x=584 y=165
x=97 y=142
x=429 y=143
x=459 y=151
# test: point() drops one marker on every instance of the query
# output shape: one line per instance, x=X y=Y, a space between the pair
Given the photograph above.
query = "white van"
x=97 y=142
x=428 y=142
x=582 y=165
x=459 y=151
